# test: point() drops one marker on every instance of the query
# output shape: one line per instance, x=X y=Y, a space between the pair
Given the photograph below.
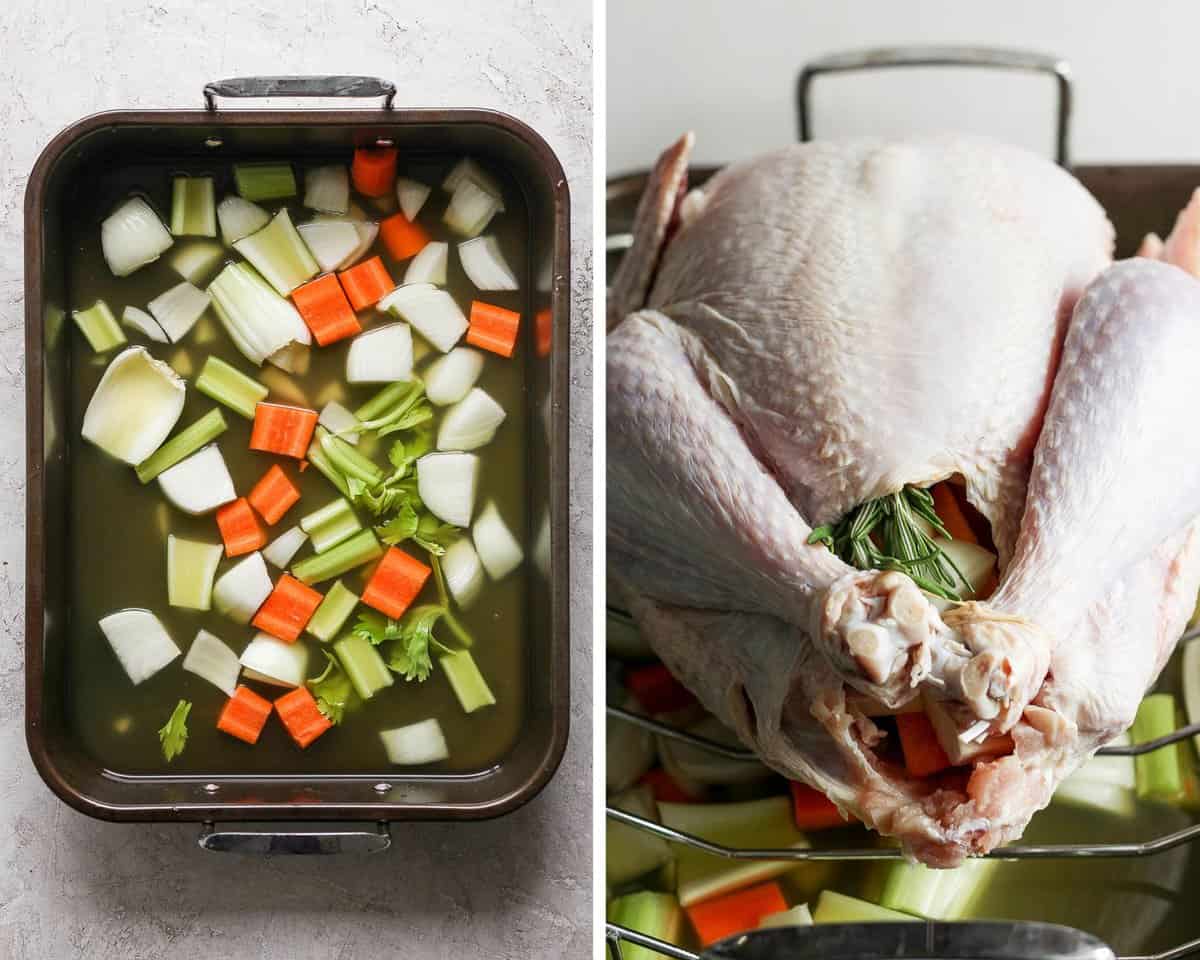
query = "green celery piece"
x=630 y=853
x=937 y=894
x=330 y=525
x=264 y=181
x=191 y=566
x=173 y=735
x=193 y=208
x=186 y=442
x=228 y=385
x=320 y=459
x=835 y=907
x=359 y=549
x=363 y=665
x=654 y=914
x=385 y=398
x=466 y=680
x=346 y=460
x=278 y=253
x=98 y=324
x=1160 y=773
x=333 y=612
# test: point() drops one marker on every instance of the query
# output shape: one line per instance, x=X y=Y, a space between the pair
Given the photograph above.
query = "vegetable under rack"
x=617 y=934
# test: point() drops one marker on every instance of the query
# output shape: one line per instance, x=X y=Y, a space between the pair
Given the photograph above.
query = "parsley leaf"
x=433 y=535
x=173 y=736
x=375 y=627
x=403 y=525
x=332 y=689
x=409 y=653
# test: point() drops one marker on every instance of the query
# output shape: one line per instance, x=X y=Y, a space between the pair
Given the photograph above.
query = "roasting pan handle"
x=943 y=56
x=320 y=839
x=299 y=87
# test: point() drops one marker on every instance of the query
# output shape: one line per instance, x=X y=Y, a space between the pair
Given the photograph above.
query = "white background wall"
x=728 y=70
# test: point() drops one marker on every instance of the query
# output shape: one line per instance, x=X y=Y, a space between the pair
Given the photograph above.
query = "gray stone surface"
x=75 y=887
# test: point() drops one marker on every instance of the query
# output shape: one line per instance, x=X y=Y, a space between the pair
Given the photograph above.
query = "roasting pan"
x=1138 y=198
x=290 y=813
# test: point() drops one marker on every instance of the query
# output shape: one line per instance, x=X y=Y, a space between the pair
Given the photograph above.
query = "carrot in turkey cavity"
x=656 y=689
x=281 y=429
x=273 y=495
x=945 y=503
x=812 y=810
x=923 y=755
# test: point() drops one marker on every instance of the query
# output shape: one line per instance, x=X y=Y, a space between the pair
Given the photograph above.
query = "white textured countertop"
x=74 y=887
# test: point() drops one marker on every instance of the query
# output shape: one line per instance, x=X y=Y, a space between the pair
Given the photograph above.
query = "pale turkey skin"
x=834 y=321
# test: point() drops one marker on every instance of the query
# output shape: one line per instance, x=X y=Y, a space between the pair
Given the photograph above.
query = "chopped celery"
x=258 y=320
x=466 y=680
x=363 y=665
x=191 y=566
x=383 y=401
x=134 y=406
x=838 y=908
x=629 y=852
x=359 y=549
x=98 y=324
x=654 y=914
x=193 y=210
x=319 y=459
x=330 y=525
x=186 y=442
x=1160 y=773
x=346 y=460
x=196 y=259
x=228 y=385
x=337 y=419
x=333 y=612
x=278 y=252
x=937 y=894
x=1191 y=684
x=264 y=181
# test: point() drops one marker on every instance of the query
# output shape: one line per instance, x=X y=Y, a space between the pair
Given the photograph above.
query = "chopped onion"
x=133 y=236
x=279 y=254
x=331 y=241
x=471 y=423
x=259 y=321
x=432 y=311
x=210 y=659
x=194 y=260
x=191 y=566
x=498 y=549
x=273 y=661
x=471 y=209
x=140 y=642
x=279 y=552
x=446 y=483
x=463 y=572
x=239 y=218
x=243 y=588
x=483 y=261
x=335 y=418
x=178 y=309
x=293 y=358
x=416 y=743
x=382 y=355
x=135 y=405
x=411 y=196
x=144 y=324
x=327 y=189
x=200 y=483
x=429 y=266
x=468 y=169
x=450 y=378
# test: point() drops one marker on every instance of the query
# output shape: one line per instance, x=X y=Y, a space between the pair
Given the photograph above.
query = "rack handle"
x=335 y=86
x=879 y=58
x=319 y=840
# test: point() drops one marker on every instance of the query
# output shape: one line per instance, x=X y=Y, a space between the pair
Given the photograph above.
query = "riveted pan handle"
x=320 y=839
x=943 y=56
x=299 y=87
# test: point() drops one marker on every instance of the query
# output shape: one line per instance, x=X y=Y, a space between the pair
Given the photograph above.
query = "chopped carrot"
x=543 y=331
x=395 y=583
x=373 y=170
x=656 y=689
x=402 y=237
x=323 y=305
x=288 y=609
x=664 y=787
x=303 y=465
x=923 y=755
x=720 y=917
x=301 y=716
x=812 y=810
x=951 y=514
x=273 y=495
x=239 y=528
x=493 y=328
x=281 y=429
x=245 y=714
x=366 y=283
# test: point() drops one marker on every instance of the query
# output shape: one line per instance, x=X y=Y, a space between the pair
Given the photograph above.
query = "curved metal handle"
x=318 y=840
x=884 y=57
x=299 y=87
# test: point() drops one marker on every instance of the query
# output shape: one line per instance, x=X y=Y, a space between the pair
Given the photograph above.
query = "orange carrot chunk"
x=366 y=283
x=951 y=514
x=288 y=609
x=402 y=237
x=923 y=755
x=493 y=328
x=281 y=429
x=543 y=330
x=239 y=528
x=245 y=715
x=373 y=170
x=301 y=716
x=273 y=495
x=395 y=583
x=323 y=305
x=720 y=917
x=812 y=810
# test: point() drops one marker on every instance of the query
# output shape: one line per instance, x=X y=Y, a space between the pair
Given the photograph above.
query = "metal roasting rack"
x=1022 y=940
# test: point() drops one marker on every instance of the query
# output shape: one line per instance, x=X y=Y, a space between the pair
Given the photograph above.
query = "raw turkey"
x=826 y=324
